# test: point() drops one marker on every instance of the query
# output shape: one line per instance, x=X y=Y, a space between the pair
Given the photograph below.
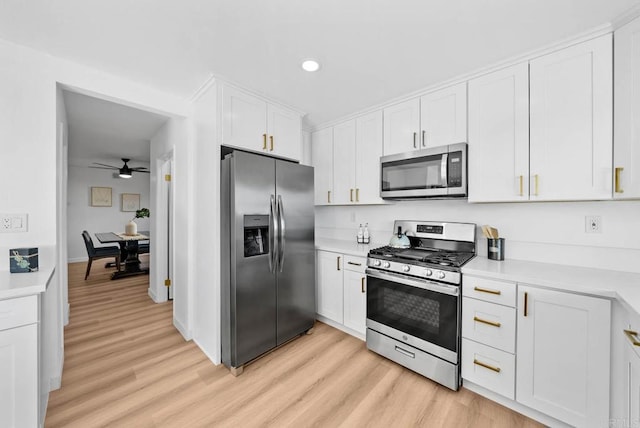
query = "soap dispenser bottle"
x=360 y=234
x=366 y=238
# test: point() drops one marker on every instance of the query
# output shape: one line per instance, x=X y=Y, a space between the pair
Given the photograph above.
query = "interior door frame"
x=162 y=251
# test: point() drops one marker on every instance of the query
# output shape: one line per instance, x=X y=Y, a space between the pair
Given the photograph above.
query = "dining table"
x=129 y=252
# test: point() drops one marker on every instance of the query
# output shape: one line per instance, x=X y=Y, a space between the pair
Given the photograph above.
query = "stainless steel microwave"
x=437 y=172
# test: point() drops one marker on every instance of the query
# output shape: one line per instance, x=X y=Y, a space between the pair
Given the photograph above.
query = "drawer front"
x=489 y=290
x=490 y=324
x=489 y=367
x=19 y=311
x=354 y=263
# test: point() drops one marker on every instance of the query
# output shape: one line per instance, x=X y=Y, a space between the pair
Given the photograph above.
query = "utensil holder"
x=495 y=249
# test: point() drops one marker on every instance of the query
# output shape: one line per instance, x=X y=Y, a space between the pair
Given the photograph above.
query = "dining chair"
x=98 y=253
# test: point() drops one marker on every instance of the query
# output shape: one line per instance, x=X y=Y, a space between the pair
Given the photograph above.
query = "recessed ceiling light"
x=310 y=65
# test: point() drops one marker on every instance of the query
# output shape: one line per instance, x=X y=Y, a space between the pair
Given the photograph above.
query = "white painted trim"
x=152 y=294
x=66 y=316
x=78 y=259
x=214 y=359
x=186 y=333
x=340 y=327
x=527 y=56
x=514 y=405
x=626 y=17
x=203 y=89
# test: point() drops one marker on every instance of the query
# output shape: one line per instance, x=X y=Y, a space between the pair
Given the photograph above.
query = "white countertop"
x=611 y=284
x=351 y=248
x=14 y=285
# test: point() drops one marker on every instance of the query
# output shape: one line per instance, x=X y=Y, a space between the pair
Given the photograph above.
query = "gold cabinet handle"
x=350 y=195
x=264 y=141
x=338 y=263
x=423 y=132
x=618 y=188
x=535 y=178
x=271 y=141
x=328 y=196
x=354 y=263
x=521 y=190
x=526 y=303
x=491 y=323
x=362 y=285
x=486 y=290
x=414 y=140
x=632 y=336
x=357 y=195
x=486 y=366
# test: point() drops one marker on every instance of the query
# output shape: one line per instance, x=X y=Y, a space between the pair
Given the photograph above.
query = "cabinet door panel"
x=401 y=126
x=368 y=152
x=499 y=136
x=344 y=161
x=329 y=285
x=562 y=364
x=322 y=160
x=571 y=122
x=443 y=117
x=244 y=120
x=626 y=149
x=355 y=301
x=285 y=128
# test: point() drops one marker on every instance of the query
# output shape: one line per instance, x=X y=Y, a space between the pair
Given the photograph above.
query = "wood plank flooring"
x=126 y=366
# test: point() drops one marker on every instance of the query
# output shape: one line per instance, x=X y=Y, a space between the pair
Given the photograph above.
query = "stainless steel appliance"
x=414 y=298
x=436 y=172
x=267 y=255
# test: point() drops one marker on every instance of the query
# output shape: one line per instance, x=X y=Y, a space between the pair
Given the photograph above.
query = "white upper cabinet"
x=626 y=150
x=571 y=122
x=443 y=117
x=499 y=136
x=401 y=127
x=344 y=161
x=367 y=160
x=253 y=124
x=322 y=160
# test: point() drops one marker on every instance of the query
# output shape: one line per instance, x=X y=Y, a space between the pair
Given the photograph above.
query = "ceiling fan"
x=125 y=170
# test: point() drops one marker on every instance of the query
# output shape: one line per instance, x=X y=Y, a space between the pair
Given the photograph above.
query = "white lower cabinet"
x=632 y=388
x=489 y=367
x=563 y=355
x=341 y=291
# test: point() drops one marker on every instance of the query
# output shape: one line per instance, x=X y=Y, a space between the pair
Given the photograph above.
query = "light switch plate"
x=10 y=223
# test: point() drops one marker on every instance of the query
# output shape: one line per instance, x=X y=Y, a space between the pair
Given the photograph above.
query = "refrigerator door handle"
x=281 y=232
x=273 y=232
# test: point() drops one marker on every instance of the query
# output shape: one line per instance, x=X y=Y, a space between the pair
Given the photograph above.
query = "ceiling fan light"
x=125 y=173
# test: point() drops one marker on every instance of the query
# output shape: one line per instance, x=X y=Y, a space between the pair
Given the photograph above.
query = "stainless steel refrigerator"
x=267 y=255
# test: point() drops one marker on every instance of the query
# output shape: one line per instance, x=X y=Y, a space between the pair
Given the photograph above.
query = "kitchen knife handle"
x=264 y=141
x=362 y=285
x=521 y=182
x=414 y=140
x=526 y=303
x=271 y=141
x=618 y=188
x=338 y=263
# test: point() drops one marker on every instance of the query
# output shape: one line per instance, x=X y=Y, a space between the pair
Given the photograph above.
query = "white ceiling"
x=370 y=50
x=102 y=131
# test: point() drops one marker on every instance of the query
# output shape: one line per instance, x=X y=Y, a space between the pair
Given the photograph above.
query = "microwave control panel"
x=455 y=170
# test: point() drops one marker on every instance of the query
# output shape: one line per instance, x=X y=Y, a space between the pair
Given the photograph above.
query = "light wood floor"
x=126 y=366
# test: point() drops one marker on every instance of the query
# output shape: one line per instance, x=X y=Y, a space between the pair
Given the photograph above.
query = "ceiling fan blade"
x=102 y=167
x=146 y=172
x=140 y=168
x=104 y=164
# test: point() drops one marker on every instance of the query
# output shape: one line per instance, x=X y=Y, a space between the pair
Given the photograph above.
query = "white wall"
x=552 y=232
x=82 y=216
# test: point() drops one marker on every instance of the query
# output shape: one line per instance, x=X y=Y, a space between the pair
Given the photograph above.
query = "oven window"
x=413 y=174
x=425 y=314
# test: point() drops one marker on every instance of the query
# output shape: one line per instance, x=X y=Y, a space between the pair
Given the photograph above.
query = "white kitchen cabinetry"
x=19 y=362
x=355 y=294
x=435 y=119
x=632 y=386
x=499 y=135
x=329 y=285
x=322 y=160
x=563 y=355
x=367 y=162
x=571 y=122
x=626 y=150
x=251 y=123
x=344 y=162
x=489 y=334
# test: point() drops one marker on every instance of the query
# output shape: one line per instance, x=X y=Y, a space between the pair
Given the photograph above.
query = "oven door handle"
x=414 y=282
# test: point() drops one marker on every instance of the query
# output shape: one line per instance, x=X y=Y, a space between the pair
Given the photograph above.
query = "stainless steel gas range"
x=414 y=297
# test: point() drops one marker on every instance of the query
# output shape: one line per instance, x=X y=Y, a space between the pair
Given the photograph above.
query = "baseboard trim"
x=185 y=332
x=66 y=315
x=214 y=360
x=78 y=259
x=340 y=327
x=152 y=294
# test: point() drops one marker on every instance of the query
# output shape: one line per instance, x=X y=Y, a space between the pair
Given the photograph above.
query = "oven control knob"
x=406 y=268
x=441 y=275
x=386 y=265
x=428 y=272
x=377 y=262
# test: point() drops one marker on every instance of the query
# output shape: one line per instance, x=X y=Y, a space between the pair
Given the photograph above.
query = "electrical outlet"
x=13 y=223
x=593 y=224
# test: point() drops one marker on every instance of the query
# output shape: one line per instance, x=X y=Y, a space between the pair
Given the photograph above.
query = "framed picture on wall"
x=130 y=202
x=101 y=196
